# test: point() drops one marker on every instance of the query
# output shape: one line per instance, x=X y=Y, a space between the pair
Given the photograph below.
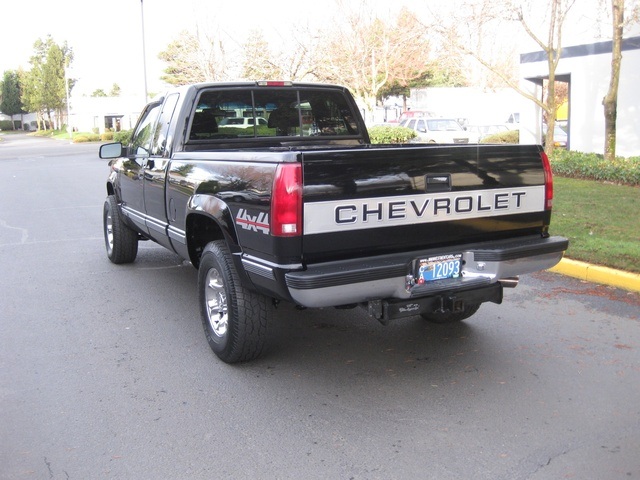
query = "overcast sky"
x=106 y=37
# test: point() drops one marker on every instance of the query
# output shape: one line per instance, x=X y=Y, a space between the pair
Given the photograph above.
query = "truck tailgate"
x=379 y=200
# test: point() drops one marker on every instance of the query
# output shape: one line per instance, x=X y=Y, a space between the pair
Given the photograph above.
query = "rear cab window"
x=226 y=114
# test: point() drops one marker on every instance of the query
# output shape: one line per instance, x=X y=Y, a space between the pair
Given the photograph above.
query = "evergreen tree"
x=44 y=87
x=11 y=104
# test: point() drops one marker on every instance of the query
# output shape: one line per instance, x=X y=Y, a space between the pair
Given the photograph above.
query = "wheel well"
x=200 y=231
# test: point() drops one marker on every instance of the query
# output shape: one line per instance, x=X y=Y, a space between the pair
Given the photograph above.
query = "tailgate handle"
x=438 y=182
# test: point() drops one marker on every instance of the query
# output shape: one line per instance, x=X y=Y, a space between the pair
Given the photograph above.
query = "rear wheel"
x=234 y=318
x=120 y=240
x=451 y=317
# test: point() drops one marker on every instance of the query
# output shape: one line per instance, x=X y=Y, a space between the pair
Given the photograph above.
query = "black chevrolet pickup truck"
x=273 y=191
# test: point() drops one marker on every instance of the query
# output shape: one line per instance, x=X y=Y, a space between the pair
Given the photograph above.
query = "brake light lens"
x=286 y=201
x=548 y=182
x=274 y=83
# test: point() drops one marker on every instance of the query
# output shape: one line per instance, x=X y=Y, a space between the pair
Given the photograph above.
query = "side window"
x=411 y=124
x=142 y=137
x=159 y=144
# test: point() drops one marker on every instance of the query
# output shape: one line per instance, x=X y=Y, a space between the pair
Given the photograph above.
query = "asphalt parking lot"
x=105 y=371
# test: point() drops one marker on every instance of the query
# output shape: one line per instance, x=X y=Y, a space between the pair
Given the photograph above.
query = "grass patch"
x=600 y=220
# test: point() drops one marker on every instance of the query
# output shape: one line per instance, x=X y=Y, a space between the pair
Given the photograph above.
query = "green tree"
x=115 y=90
x=11 y=103
x=45 y=85
x=436 y=77
x=30 y=92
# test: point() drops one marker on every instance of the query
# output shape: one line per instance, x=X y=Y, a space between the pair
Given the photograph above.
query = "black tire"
x=234 y=318
x=451 y=317
x=120 y=240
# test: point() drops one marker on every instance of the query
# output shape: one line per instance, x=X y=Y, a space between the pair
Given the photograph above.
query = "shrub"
x=512 y=136
x=592 y=166
x=123 y=136
x=391 y=134
x=106 y=137
x=86 y=137
x=6 y=125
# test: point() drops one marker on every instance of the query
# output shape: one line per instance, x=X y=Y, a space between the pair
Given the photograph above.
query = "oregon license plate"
x=439 y=267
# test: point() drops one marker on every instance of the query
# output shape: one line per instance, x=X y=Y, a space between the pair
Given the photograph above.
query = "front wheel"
x=234 y=318
x=120 y=240
x=451 y=317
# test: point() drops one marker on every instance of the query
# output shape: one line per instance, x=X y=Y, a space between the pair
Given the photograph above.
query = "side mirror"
x=111 y=150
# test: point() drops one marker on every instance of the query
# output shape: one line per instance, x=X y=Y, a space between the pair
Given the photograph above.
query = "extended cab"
x=304 y=209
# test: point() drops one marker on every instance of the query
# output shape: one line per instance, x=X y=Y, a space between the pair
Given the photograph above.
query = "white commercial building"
x=587 y=70
x=100 y=113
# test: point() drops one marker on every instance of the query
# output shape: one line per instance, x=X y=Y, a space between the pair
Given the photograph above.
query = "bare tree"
x=258 y=63
x=610 y=100
x=488 y=15
x=261 y=62
x=193 y=58
x=366 y=52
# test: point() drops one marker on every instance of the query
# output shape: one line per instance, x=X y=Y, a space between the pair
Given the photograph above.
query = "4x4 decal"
x=257 y=223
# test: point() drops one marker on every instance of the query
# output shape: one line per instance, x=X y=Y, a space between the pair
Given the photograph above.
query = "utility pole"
x=66 y=91
x=144 y=54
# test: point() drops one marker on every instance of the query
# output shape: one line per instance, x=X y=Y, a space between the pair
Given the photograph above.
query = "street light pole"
x=144 y=54
x=66 y=91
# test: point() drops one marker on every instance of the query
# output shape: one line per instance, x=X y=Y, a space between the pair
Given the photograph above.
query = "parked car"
x=560 y=137
x=478 y=132
x=415 y=114
x=437 y=130
x=240 y=122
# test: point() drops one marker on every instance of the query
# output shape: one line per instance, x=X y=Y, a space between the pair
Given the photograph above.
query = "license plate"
x=438 y=268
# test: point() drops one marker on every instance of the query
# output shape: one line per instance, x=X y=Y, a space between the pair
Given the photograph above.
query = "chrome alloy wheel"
x=216 y=303
x=108 y=230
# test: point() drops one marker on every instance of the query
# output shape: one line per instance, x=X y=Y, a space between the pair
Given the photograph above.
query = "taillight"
x=286 y=201
x=548 y=182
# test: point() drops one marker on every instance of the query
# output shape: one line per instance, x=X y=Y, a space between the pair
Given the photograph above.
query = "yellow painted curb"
x=597 y=274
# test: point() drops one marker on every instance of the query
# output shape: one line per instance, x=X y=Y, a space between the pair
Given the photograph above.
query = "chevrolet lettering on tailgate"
x=322 y=217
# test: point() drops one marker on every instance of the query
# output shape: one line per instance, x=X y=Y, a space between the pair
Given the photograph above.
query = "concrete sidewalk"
x=597 y=274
